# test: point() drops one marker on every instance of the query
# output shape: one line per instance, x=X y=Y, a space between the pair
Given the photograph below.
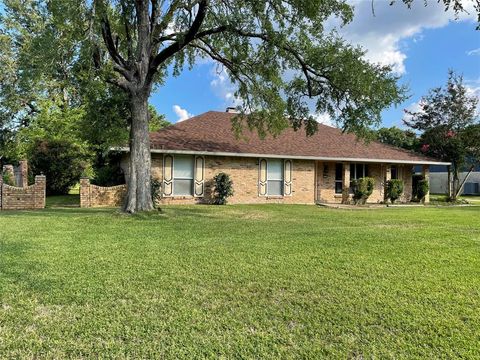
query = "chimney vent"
x=232 y=110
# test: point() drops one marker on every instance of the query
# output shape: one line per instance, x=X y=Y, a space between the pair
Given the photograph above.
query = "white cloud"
x=181 y=113
x=324 y=119
x=473 y=89
x=223 y=87
x=382 y=33
x=413 y=107
x=473 y=52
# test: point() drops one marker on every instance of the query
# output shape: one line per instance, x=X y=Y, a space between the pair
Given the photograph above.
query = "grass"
x=439 y=199
x=61 y=201
x=241 y=282
x=72 y=199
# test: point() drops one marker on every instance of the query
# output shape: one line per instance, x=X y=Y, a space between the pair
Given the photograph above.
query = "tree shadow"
x=16 y=267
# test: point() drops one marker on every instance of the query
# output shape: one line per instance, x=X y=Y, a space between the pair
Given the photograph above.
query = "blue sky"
x=421 y=44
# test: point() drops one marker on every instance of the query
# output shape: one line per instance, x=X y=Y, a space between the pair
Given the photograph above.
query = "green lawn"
x=241 y=282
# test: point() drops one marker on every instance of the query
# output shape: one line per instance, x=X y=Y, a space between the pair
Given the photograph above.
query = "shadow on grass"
x=59 y=212
x=61 y=201
x=18 y=268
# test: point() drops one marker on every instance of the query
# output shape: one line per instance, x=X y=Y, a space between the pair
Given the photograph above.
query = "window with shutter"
x=275 y=181
x=183 y=175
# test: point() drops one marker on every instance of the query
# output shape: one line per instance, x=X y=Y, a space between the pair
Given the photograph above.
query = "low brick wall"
x=23 y=198
x=100 y=196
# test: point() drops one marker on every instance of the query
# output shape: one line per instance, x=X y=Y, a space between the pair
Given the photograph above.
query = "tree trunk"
x=139 y=196
x=449 y=182
x=456 y=180
x=460 y=188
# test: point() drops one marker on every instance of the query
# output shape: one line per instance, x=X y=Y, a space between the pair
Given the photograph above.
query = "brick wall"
x=244 y=174
x=311 y=181
x=100 y=196
x=23 y=198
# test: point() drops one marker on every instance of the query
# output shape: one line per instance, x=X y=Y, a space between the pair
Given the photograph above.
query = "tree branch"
x=110 y=43
x=180 y=44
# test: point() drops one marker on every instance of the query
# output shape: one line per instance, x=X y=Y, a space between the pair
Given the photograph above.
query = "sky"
x=421 y=44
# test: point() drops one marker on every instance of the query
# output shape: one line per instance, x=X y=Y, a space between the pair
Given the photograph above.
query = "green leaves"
x=450 y=123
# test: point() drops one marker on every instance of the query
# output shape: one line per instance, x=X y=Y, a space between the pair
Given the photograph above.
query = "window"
x=394 y=172
x=357 y=171
x=275 y=177
x=183 y=175
x=338 y=178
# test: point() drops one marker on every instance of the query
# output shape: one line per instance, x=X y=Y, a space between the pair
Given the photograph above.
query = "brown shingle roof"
x=211 y=132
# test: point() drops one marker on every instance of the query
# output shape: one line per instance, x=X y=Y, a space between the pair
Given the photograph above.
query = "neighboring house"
x=439 y=181
x=290 y=168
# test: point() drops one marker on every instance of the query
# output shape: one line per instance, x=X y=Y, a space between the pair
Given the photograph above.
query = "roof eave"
x=294 y=157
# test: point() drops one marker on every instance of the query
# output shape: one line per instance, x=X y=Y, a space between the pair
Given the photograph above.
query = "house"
x=290 y=168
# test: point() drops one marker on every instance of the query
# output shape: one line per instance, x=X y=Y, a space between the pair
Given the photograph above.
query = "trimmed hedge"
x=362 y=189
x=422 y=190
x=223 y=188
x=394 y=190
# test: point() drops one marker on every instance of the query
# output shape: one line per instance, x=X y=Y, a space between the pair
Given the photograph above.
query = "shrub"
x=223 y=188
x=61 y=161
x=156 y=187
x=394 y=189
x=8 y=179
x=362 y=189
x=107 y=170
x=422 y=190
x=109 y=175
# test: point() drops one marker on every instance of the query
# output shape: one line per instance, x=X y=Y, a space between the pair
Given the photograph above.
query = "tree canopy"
x=406 y=139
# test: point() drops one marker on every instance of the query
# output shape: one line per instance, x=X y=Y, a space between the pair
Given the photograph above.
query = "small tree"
x=223 y=188
x=7 y=179
x=449 y=121
x=363 y=188
x=394 y=190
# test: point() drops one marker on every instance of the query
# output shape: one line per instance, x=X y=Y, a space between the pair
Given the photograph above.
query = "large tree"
x=450 y=126
x=277 y=53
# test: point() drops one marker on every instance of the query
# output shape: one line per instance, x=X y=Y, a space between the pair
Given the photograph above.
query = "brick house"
x=290 y=168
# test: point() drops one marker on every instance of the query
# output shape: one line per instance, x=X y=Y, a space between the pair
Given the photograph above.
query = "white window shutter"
x=199 y=187
x=287 y=177
x=168 y=175
x=262 y=177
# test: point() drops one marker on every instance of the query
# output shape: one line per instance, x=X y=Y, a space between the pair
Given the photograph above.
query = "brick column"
x=40 y=192
x=85 y=193
x=23 y=168
x=388 y=177
x=346 y=184
x=426 y=176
